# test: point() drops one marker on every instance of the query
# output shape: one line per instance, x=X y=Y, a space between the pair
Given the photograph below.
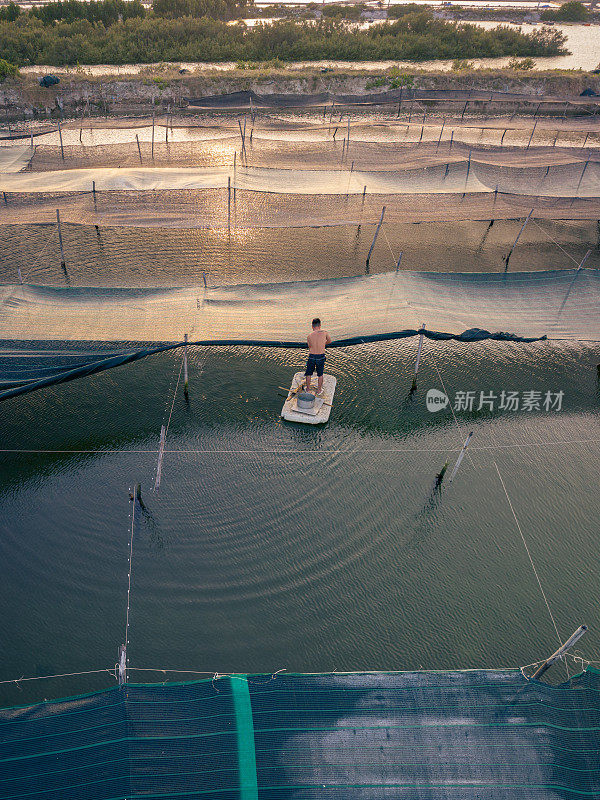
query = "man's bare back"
x=317 y=340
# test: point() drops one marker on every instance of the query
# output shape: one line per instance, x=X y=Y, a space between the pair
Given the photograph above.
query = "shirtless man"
x=317 y=341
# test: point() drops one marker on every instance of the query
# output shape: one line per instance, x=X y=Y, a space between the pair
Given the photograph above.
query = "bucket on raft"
x=305 y=401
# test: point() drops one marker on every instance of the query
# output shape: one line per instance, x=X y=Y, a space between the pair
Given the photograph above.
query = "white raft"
x=321 y=409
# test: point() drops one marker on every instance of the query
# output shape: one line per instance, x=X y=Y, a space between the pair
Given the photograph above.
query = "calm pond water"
x=272 y=545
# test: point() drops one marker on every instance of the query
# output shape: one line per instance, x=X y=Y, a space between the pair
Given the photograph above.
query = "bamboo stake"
x=161 y=452
x=376 y=235
x=419 y=348
x=60 y=241
x=185 y=364
x=137 y=139
x=532 y=132
x=153 y=121
x=440 y=136
x=507 y=259
x=461 y=456
x=581 y=177
x=62 y=151
x=558 y=654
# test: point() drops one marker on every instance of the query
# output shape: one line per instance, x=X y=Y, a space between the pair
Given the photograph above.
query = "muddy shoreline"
x=163 y=87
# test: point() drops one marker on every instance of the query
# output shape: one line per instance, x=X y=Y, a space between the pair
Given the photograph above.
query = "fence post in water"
x=583 y=260
x=185 y=363
x=581 y=176
x=507 y=259
x=400 y=101
x=5 y=200
x=451 y=140
x=376 y=235
x=399 y=260
x=421 y=136
x=60 y=241
x=229 y=201
x=532 y=132
x=122 y=665
x=204 y=279
x=137 y=139
x=463 y=111
x=585 y=140
x=363 y=197
x=161 y=452
x=153 y=120
x=418 y=361
x=575 y=637
x=62 y=152
x=503 y=135
x=440 y=136
x=461 y=455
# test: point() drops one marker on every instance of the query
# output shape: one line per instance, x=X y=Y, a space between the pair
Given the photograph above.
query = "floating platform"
x=320 y=411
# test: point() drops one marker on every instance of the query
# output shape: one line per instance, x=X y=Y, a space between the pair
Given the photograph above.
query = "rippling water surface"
x=272 y=545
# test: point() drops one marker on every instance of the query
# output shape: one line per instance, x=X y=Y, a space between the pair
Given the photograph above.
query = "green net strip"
x=245 y=737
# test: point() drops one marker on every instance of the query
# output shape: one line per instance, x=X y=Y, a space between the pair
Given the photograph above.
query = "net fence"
x=432 y=736
x=56 y=334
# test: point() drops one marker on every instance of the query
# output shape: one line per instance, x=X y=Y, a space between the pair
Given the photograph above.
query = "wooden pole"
x=363 y=196
x=185 y=363
x=399 y=260
x=229 y=202
x=451 y=140
x=62 y=151
x=584 y=259
x=122 y=662
x=532 y=132
x=440 y=136
x=555 y=139
x=463 y=111
x=137 y=139
x=585 y=140
x=153 y=122
x=400 y=101
x=60 y=241
x=375 y=237
x=558 y=654
x=581 y=177
x=161 y=452
x=503 y=135
x=418 y=361
x=461 y=455
x=507 y=259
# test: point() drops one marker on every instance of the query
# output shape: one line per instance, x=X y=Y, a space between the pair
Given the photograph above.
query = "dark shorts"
x=315 y=362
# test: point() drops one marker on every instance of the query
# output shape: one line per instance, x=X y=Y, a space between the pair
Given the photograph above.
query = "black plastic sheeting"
x=243 y=99
x=14 y=372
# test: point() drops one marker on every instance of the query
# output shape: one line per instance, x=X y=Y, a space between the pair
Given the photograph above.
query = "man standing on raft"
x=317 y=342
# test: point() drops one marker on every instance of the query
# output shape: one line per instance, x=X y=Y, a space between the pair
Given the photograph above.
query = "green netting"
x=431 y=736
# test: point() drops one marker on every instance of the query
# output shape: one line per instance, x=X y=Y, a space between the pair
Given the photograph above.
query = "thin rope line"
x=535 y=572
x=60 y=675
x=574 y=260
x=174 y=398
x=129 y=574
x=559 y=442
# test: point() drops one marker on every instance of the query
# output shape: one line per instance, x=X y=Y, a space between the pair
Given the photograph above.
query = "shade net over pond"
x=414 y=735
x=53 y=334
x=564 y=180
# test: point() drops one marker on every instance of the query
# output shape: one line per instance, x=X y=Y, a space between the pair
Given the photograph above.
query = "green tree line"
x=416 y=36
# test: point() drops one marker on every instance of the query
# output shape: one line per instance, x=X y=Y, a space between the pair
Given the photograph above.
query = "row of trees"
x=415 y=37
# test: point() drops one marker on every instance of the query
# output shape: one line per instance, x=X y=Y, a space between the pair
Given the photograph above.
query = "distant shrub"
x=572 y=11
x=460 y=64
x=7 y=70
x=521 y=63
